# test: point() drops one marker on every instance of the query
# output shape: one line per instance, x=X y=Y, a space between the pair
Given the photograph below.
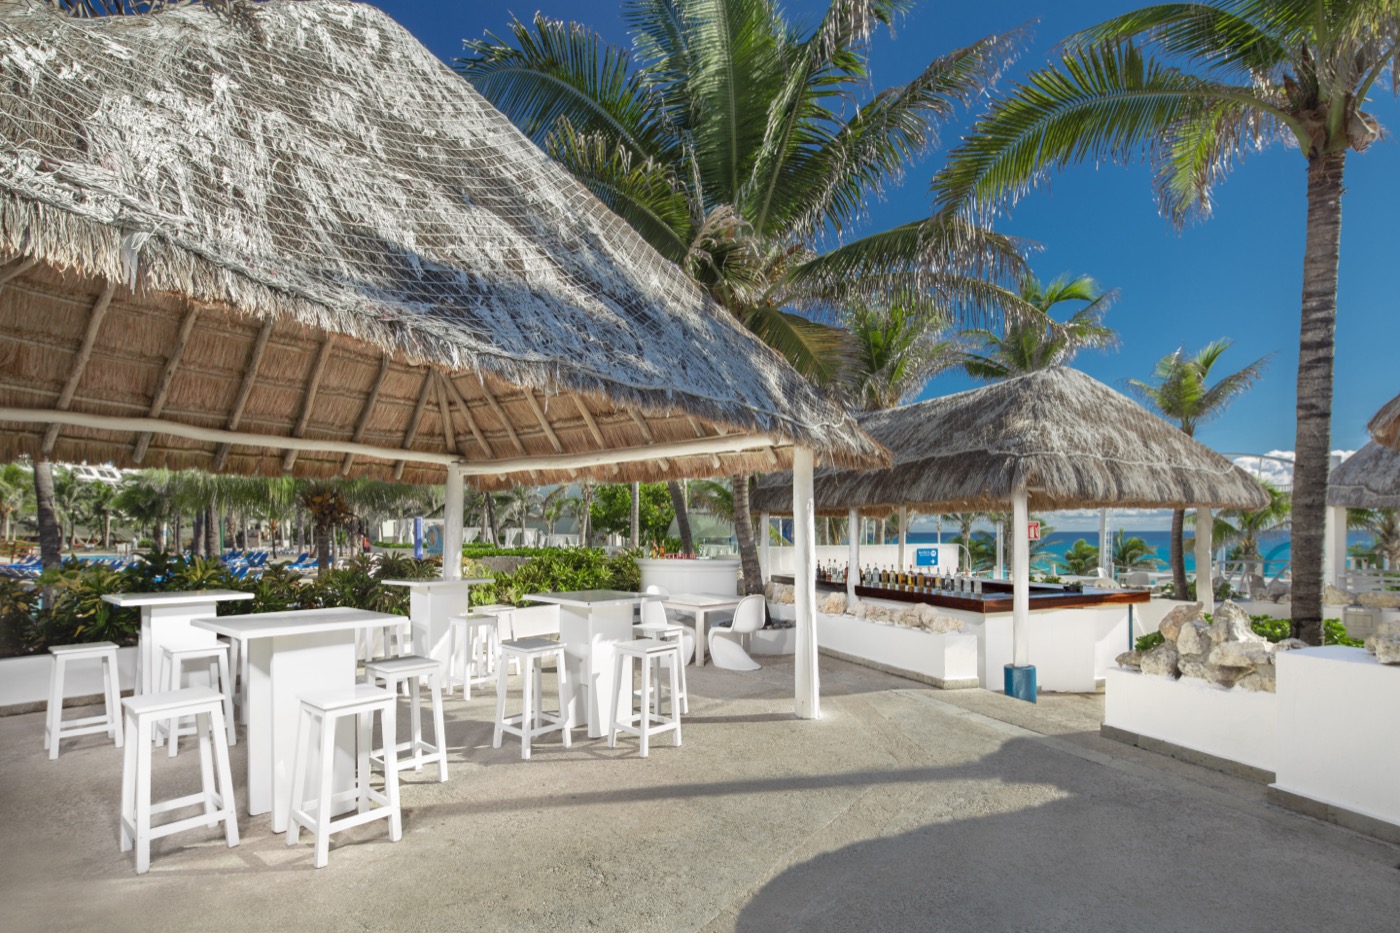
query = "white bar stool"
x=669 y=631
x=110 y=722
x=172 y=676
x=647 y=721
x=414 y=669
x=475 y=642
x=394 y=640
x=532 y=720
x=325 y=710
x=143 y=713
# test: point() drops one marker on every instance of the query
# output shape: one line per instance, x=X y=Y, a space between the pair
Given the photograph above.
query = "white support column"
x=804 y=539
x=765 y=532
x=1105 y=548
x=1020 y=581
x=1001 y=551
x=452 y=526
x=1334 y=565
x=853 y=553
x=903 y=534
x=1205 y=591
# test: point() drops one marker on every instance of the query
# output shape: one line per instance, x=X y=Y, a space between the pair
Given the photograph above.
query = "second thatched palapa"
x=1385 y=426
x=1069 y=440
x=1368 y=479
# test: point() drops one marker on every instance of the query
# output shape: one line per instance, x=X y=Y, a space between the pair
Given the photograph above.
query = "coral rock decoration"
x=922 y=615
x=1225 y=651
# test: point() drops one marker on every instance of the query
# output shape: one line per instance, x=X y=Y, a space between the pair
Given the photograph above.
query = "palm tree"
x=1034 y=339
x=1082 y=559
x=1180 y=391
x=16 y=487
x=50 y=532
x=1243 y=528
x=728 y=139
x=522 y=501
x=897 y=351
x=1384 y=524
x=713 y=497
x=1133 y=553
x=1296 y=72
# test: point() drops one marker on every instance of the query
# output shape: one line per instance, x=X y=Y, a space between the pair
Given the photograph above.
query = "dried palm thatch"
x=290 y=220
x=1368 y=479
x=1385 y=426
x=1070 y=440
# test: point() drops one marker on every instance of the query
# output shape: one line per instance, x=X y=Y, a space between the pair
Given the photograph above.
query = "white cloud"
x=1277 y=465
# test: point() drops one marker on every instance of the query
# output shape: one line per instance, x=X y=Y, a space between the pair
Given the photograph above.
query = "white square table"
x=165 y=620
x=699 y=604
x=291 y=654
x=590 y=623
x=431 y=606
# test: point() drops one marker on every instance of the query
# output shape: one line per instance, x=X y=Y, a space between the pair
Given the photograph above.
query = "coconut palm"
x=1082 y=559
x=1384 y=524
x=1181 y=391
x=728 y=138
x=46 y=514
x=1243 y=528
x=1296 y=72
x=898 y=349
x=713 y=497
x=1133 y=553
x=16 y=491
x=1034 y=339
x=521 y=503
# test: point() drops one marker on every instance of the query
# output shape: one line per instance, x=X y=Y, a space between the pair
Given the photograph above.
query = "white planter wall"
x=1236 y=725
x=717 y=576
x=535 y=621
x=26 y=680
x=947 y=660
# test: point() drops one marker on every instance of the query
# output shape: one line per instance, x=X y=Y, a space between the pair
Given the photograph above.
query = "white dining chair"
x=725 y=641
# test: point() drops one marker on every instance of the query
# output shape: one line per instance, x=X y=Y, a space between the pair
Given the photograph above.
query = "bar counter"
x=995 y=596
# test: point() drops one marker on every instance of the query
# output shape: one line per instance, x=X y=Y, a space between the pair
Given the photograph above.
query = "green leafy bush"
x=561 y=570
x=1270 y=628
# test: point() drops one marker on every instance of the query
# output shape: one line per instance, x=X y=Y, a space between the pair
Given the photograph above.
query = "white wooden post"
x=903 y=533
x=1020 y=580
x=1105 y=549
x=804 y=538
x=1205 y=591
x=853 y=553
x=1335 y=565
x=1001 y=551
x=452 y=526
x=765 y=532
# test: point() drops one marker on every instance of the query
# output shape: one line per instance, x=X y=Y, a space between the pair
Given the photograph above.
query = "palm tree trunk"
x=743 y=531
x=50 y=533
x=323 y=548
x=491 y=517
x=682 y=517
x=635 y=527
x=1315 y=356
x=196 y=535
x=211 y=532
x=1178 y=555
x=106 y=530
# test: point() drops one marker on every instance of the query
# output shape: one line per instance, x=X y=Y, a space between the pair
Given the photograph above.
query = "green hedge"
x=66 y=605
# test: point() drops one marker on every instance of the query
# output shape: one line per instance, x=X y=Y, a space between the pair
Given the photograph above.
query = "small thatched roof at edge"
x=291 y=219
x=1385 y=426
x=1074 y=442
x=1368 y=479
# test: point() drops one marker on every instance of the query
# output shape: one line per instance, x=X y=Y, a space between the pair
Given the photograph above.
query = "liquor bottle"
x=977 y=586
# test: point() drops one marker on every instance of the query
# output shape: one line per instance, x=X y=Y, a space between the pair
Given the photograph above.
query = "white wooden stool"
x=669 y=631
x=532 y=721
x=475 y=643
x=110 y=722
x=324 y=710
x=414 y=669
x=648 y=721
x=143 y=713
x=172 y=675
x=394 y=640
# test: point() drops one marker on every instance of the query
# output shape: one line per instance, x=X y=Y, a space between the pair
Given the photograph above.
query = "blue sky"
x=1237 y=275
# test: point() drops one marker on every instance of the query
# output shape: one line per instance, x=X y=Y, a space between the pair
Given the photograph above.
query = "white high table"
x=431 y=606
x=590 y=623
x=165 y=620
x=699 y=604
x=291 y=654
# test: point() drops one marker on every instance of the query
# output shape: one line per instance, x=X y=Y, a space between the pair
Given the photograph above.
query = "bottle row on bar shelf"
x=902 y=581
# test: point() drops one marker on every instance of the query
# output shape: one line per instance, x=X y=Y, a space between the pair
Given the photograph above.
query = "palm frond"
x=818 y=351
x=1233 y=41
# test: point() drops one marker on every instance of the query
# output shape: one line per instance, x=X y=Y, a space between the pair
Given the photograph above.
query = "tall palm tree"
x=1243 y=528
x=1384 y=524
x=50 y=532
x=897 y=351
x=1035 y=340
x=730 y=140
x=1296 y=72
x=1133 y=553
x=16 y=488
x=1181 y=391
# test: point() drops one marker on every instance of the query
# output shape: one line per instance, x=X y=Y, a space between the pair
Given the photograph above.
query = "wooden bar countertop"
x=996 y=596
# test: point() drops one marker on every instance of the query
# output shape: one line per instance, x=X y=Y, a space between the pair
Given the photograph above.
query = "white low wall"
x=718 y=576
x=26 y=680
x=948 y=660
x=1339 y=737
x=773 y=641
x=534 y=621
x=1236 y=725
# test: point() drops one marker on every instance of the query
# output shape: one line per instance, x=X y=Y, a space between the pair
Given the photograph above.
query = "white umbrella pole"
x=1001 y=551
x=765 y=532
x=452 y=526
x=1020 y=676
x=804 y=537
x=903 y=533
x=1205 y=592
x=1105 y=552
x=853 y=555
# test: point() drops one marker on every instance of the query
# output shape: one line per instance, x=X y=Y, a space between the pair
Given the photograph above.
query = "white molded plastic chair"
x=726 y=649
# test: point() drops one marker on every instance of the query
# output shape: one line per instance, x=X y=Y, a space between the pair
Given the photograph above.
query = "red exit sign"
x=1032 y=531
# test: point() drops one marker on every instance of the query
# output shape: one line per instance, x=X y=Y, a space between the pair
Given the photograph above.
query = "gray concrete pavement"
x=904 y=808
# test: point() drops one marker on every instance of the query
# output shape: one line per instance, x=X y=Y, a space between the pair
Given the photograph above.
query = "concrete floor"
x=904 y=808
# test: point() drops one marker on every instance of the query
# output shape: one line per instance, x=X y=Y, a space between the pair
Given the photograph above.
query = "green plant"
x=1268 y=627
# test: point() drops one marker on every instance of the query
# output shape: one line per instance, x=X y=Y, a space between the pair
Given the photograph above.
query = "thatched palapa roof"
x=1072 y=441
x=1368 y=479
x=290 y=220
x=1385 y=426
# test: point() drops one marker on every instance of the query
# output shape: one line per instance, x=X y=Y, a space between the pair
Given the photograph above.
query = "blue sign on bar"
x=926 y=557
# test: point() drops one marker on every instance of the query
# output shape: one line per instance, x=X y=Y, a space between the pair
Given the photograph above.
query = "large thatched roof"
x=1385 y=426
x=1074 y=442
x=291 y=220
x=1368 y=479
